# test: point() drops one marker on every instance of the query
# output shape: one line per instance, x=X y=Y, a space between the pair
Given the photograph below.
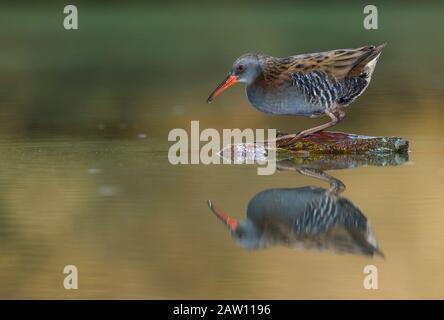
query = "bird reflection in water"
x=306 y=217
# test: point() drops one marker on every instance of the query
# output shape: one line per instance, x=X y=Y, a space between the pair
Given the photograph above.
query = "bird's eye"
x=240 y=68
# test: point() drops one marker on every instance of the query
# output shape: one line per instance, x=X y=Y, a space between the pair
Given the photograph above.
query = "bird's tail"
x=368 y=63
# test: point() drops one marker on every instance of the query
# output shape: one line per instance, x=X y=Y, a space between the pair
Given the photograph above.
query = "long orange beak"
x=230 y=222
x=228 y=82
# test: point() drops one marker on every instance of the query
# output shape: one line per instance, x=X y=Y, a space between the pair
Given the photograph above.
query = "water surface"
x=85 y=178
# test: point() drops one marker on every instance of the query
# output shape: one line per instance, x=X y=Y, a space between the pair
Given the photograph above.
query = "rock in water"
x=330 y=142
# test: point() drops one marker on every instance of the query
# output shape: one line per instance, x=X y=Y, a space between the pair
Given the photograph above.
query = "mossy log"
x=241 y=153
x=325 y=151
x=329 y=142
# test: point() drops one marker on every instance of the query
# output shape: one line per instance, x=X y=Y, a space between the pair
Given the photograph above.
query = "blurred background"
x=85 y=179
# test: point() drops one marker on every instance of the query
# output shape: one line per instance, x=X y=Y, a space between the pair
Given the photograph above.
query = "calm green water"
x=85 y=179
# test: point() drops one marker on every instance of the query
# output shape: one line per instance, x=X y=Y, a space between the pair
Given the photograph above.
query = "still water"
x=85 y=178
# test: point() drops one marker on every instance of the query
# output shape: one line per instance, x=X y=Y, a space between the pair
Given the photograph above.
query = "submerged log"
x=330 y=142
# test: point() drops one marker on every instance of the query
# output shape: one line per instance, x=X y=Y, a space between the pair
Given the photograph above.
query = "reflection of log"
x=290 y=161
x=328 y=142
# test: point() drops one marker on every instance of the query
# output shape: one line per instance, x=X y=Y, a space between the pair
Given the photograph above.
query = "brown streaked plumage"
x=308 y=85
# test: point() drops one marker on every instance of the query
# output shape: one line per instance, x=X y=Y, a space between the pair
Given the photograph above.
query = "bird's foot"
x=288 y=140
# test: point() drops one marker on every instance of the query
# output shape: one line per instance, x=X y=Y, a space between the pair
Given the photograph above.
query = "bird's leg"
x=336 y=116
x=277 y=140
x=336 y=185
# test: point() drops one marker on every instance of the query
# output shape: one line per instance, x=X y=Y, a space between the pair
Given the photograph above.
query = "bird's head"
x=245 y=69
x=246 y=234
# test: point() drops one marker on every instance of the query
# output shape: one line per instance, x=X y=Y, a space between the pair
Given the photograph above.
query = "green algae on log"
x=330 y=142
x=285 y=160
x=289 y=160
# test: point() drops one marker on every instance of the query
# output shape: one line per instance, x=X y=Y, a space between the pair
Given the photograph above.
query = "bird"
x=311 y=218
x=309 y=85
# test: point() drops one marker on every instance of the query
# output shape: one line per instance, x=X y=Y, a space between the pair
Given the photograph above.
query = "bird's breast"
x=283 y=100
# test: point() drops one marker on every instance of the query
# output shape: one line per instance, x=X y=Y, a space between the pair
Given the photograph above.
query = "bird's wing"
x=336 y=63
